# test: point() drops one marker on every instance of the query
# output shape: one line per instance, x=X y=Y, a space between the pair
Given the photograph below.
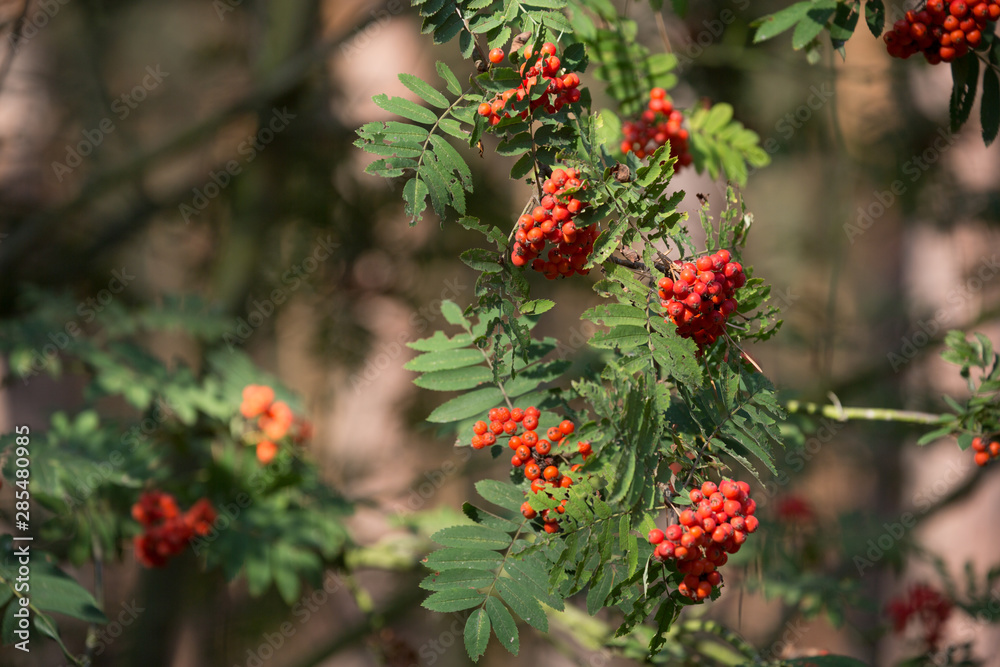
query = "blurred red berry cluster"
x=927 y=605
x=275 y=420
x=657 y=125
x=167 y=530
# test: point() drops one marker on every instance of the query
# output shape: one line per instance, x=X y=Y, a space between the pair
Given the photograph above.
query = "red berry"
x=496 y=55
x=479 y=427
x=550 y=473
x=981 y=458
x=656 y=536
x=532 y=471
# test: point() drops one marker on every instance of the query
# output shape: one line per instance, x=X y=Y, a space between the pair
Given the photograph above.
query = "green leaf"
x=424 y=90
x=481 y=259
x=989 y=105
x=813 y=22
x=54 y=590
x=504 y=626
x=439 y=342
x=476 y=537
x=477 y=634
x=777 y=23
x=537 y=306
x=453 y=314
x=462 y=559
x=523 y=603
x=844 y=23
x=405 y=108
x=415 y=195
x=875 y=16
x=442 y=581
x=456 y=599
x=456 y=379
x=450 y=80
x=444 y=360
x=501 y=494
x=467 y=405
x=965 y=78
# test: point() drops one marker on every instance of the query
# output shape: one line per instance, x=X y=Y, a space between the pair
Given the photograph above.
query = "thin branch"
x=843 y=414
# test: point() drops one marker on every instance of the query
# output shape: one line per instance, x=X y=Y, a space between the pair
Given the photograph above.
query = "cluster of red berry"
x=531 y=452
x=552 y=222
x=943 y=31
x=657 y=125
x=718 y=525
x=985 y=451
x=167 y=531
x=562 y=89
x=926 y=604
x=700 y=299
x=274 y=420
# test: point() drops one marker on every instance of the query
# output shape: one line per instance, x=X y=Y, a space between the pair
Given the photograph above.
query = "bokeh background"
x=118 y=116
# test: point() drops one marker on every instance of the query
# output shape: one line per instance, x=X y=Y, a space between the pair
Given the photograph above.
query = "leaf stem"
x=840 y=413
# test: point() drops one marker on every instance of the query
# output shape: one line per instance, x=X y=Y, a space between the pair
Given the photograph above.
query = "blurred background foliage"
x=122 y=124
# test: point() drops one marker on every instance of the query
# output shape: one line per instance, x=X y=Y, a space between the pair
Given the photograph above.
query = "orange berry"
x=266 y=451
x=550 y=473
x=532 y=472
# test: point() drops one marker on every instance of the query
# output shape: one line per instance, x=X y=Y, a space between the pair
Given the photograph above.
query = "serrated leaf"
x=875 y=16
x=439 y=342
x=965 y=79
x=504 y=626
x=458 y=559
x=449 y=579
x=501 y=494
x=423 y=90
x=415 y=196
x=476 y=537
x=405 y=108
x=481 y=259
x=444 y=360
x=777 y=23
x=457 y=379
x=813 y=22
x=467 y=405
x=452 y=313
x=450 y=80
x=455 y=599
x=522 y=167
x=523 y=603
x=989 y=106
x=477 y=634
x=452 y=160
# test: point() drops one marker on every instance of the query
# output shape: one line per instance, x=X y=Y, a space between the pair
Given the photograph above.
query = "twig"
x=840 y=413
